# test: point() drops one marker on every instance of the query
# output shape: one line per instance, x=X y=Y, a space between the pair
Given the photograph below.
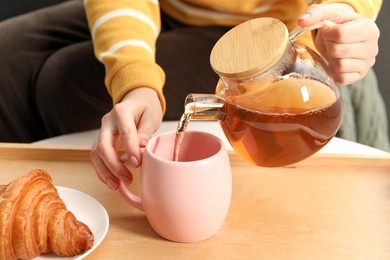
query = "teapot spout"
x=204 y=107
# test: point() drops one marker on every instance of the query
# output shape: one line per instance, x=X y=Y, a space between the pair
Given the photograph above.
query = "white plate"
x=87 y=210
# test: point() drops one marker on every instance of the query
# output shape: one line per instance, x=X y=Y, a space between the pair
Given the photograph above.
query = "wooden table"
x=326 y=207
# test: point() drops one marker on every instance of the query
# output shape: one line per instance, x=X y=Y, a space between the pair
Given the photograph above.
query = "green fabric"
x=365 y=116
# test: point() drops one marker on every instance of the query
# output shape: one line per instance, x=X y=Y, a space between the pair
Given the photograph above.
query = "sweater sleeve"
x=124 y=34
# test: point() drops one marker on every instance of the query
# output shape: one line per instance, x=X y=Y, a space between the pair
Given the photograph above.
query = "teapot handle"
x=298 y=31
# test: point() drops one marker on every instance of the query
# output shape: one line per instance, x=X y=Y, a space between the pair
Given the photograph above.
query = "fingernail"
x=143 y=143
x=124 y=157
x=126 y=180
x=134 y=161
x=305 y=16
x=112 y=184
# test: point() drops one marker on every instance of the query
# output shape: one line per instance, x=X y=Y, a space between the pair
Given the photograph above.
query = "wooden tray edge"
x=26 y=151
x=43 y=152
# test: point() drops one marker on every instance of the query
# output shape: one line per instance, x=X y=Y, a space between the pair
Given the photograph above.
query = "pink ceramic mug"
x=187 y=200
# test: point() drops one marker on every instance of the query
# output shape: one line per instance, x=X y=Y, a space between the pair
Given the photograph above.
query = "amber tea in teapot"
x=277 y=135
x=276 y=101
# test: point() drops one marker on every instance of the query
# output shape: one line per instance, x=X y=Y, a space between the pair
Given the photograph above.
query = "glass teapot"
x=276 y=100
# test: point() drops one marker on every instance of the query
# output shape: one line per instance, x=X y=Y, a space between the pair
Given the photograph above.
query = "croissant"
x=34 y=220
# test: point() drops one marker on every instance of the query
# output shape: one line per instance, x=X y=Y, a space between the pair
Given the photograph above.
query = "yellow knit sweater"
x=124 y=32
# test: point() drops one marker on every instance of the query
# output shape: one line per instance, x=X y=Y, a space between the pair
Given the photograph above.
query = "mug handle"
x=130 y=197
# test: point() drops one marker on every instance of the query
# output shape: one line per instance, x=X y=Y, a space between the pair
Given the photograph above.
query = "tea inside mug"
x=195 y=146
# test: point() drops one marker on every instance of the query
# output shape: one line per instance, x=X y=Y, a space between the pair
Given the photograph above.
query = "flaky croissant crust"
x=34 y=220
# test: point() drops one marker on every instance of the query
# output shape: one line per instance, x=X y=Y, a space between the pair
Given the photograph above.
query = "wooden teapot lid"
x=249 y=47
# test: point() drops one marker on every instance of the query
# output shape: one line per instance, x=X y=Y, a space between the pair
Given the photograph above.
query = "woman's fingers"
x=336 y=12
x=350 y=46
x=105 y=158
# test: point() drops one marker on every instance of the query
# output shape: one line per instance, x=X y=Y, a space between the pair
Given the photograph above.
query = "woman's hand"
x=127 y=127
x=350 y=46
